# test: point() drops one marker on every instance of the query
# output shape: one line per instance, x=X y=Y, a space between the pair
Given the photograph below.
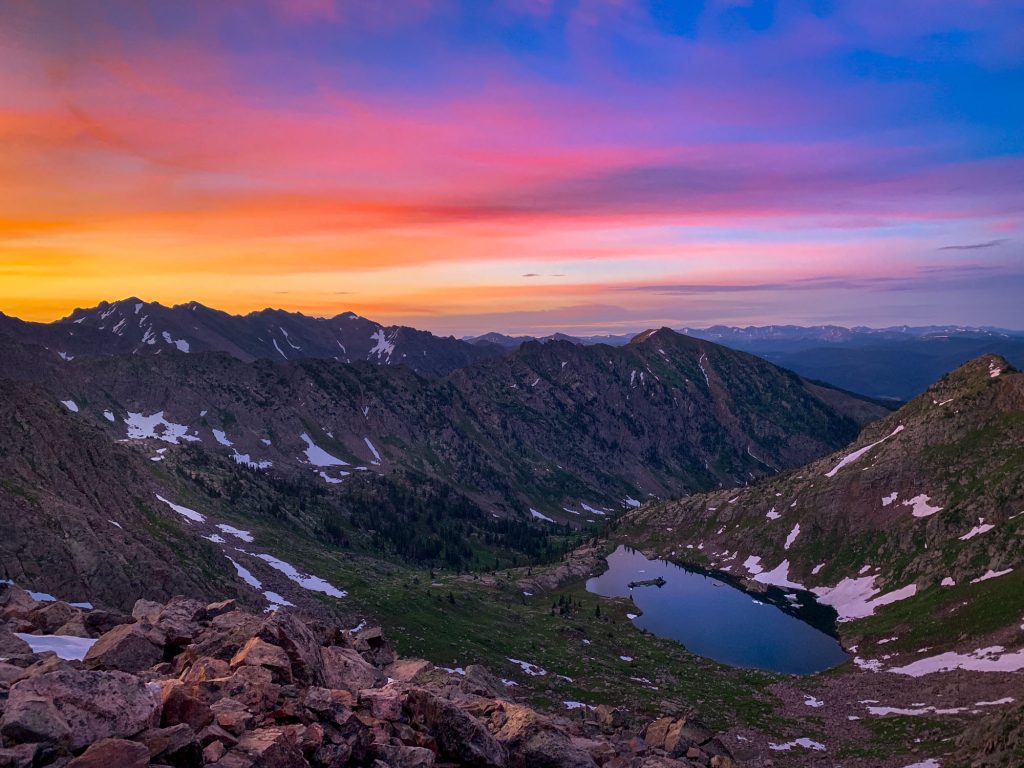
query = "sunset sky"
x=518 y=165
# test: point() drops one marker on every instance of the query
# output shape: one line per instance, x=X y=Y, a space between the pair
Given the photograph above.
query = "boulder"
x=479 y=681
x=113 y=752
x=75 y=708
x=99 y=621
x=213 y=610
x=146 y=610
x=11 y=644
x=223 y=636
x=128 y=648
x=180 y=706
x=15 y=602
x=657 y=732
x=285 y=630
x=264 y=748
x=179 y=620
x=382 y=703
x=49 y=617
x=373 y=646
x=460 y=738
x=23 y=756
x=533 y=741
x=232 y=716
x=259 y=653
x=408 y=670
x=345 y=668
x=75 y=627
x=404 y=756
x=684 y=733
x=176 y=745
x=254 y=687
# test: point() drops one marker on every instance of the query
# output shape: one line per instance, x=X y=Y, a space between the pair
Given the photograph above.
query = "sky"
x=518 y=165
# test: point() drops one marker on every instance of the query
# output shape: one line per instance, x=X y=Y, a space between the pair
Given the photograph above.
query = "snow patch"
x=980 y=528
x=990 y=574
x=141 y=426
x=778 y=576
x=191 y=514
x=71 y=405
x=856 y=598
x=531 y=669
x=540 y=516
x=312 y=583
x=852 y=457
x=921 y=506
x=991 y=659
x=792 y=536
x=373 y=450
x=887 y=500
x=318 y=457
x=801 y=742
x=221 y=437
x=238 y=533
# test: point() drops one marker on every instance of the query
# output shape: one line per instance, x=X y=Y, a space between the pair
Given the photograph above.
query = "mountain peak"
x=981 y=368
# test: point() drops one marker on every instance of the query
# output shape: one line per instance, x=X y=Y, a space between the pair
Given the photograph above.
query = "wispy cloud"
x=973 y=246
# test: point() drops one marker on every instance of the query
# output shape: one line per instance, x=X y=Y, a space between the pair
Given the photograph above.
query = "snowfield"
x=318 y=457
x=852 y=457
x=858 y=598
x=191 y=514
x=141 y=426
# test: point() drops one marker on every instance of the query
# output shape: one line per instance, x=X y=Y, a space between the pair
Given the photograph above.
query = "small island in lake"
x=658 y=582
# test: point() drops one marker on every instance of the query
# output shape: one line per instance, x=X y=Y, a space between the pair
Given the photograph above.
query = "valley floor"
x=556 y=652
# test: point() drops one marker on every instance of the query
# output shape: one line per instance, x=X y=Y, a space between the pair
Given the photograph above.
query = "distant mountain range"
x=135 y=326
x=896 y=363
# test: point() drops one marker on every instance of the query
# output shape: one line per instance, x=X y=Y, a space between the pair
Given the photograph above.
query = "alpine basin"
x=712 y=618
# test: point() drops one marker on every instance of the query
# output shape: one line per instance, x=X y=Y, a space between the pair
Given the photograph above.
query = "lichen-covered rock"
x=128 y=648
x=75 y=708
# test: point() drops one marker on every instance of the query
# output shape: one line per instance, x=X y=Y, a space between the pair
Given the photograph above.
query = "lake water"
x=712 y=618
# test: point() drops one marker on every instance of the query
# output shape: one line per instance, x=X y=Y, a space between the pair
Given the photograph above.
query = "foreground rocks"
x=188 y=684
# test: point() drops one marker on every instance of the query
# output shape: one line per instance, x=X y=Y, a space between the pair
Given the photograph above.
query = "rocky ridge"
x=188 y=683
x=133 y=326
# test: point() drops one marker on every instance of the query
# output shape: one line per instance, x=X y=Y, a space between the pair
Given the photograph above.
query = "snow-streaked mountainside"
x=913 y=527
x=421 y=467
x=135 y=326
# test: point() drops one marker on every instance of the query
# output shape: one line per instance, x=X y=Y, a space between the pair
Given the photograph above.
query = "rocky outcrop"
x=184 y=684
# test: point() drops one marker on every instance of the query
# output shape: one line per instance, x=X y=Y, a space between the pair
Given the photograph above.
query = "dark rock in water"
x=658 y=582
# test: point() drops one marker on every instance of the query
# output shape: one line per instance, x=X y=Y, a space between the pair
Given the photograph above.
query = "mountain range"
x=461 y=504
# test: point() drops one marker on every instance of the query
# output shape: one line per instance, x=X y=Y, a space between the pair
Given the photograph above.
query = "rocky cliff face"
x=187 y=683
